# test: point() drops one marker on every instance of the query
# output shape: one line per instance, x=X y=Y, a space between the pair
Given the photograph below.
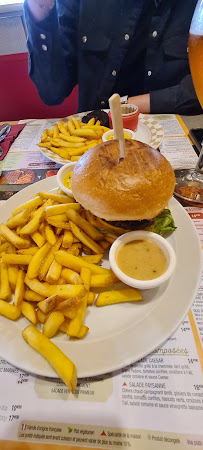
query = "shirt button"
x=84 y=39
x=102 y=102
x=149 y=73
x=42 y=36
x=127 y=37
x=114 y=73
x=154 y=34
x=44 y=47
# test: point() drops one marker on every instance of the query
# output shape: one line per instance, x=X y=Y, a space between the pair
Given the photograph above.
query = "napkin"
x=11 y=136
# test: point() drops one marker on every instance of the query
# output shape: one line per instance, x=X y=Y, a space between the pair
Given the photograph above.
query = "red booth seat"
x=18 y=96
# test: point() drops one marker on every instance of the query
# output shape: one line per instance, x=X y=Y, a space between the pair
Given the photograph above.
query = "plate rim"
x=48 y=184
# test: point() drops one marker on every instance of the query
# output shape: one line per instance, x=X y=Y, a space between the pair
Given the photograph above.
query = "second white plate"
x=148 y=131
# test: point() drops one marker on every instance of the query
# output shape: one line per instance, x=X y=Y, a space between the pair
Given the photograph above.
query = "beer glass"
x=194 y=177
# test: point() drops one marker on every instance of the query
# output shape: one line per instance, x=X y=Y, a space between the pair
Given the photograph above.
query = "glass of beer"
x=190 y=181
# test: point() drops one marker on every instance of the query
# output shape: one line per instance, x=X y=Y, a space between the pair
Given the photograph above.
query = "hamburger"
x=125 y=194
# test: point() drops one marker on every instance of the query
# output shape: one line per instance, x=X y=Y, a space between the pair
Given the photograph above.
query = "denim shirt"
x=84 y=42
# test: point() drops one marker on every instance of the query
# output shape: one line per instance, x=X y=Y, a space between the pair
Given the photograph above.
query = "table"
x=116 y=411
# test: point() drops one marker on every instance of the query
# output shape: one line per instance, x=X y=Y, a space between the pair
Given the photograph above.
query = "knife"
x=4 y=130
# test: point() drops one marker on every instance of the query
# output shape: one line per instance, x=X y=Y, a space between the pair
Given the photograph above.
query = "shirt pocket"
x=95 y=43
x=176 y=47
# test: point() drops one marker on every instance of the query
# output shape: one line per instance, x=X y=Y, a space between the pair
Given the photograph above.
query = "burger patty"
x=130 y=224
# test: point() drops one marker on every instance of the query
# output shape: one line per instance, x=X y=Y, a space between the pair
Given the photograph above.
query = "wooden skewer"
x=116 y=116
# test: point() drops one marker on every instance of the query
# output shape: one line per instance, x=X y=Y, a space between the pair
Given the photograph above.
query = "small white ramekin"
x=153 y=237
x=61 y=174
x=126 y=130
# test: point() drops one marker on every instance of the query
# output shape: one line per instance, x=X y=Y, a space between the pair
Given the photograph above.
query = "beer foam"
x=196 y=26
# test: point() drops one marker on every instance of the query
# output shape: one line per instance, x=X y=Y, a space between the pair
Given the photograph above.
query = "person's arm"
x=52 y=47
x=179 y=99
x=142 y=102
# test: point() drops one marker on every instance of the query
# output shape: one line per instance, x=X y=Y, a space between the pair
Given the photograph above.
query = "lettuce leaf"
x=163 y=222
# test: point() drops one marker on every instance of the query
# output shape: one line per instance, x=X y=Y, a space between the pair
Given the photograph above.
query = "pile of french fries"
x=49 y=250
x=71 y=139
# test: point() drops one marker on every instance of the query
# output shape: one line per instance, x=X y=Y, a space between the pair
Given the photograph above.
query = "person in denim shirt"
x=134 y=47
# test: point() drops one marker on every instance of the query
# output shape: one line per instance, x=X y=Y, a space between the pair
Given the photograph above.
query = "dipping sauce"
x=66 y=180
x=142 y=260
x=111 y=136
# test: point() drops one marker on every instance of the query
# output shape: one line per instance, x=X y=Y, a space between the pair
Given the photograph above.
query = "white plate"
x=148 y=131
x=119 y=334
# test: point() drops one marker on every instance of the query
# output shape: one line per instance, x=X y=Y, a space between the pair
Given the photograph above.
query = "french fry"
x=83 y=331
x=91 y=298
x=55 y=131
x=49 y=259
x=3 y=247
x=91 y=121
x=12 y=237
x=54 y=272
x=84 y=225
x=20 y=219
x=84 y=238
x=103 y=280
x=85 y=275
x=69 y=138
x=62 y=291
x=58 y=218
x=104 y=244
x=5 y=290
x=17 y=259
x=58 y=361
x=52 y=324
x=86 y=250
x=33 y=224
x=76 y=323
x=60 y=198
x=76 y=262
x=28 y=251
x=12 y=274
x=69 y=302
x=32 y=296
x=60 y=209
x=63 y=153
x=42 y=229
x=9 y=311
x=38 y=239
x=62 y=129
x=64 y=326
x=60 y=225
x=85 y=132
x=94 y=259
x=44 y=144
x=76 y=122
x=120 y=296
x=49 y=235
x=47 y=304
x=30 y=204
x=67 y=239
x=75 y=249
x=19 y=290
x=35 y=263
x=41 y=316
x=29 y=312
x=46 y=203
x=70 y=126
x=2 y=239
x=71 y=276
x=74 y=158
